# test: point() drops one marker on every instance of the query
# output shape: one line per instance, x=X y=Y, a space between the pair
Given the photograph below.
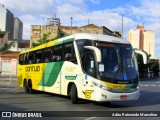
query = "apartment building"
x=143 y=39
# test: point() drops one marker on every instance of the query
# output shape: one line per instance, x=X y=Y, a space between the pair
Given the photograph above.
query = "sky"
x=106 y=13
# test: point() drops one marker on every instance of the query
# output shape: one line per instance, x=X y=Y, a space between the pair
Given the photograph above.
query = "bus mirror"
x=97 y=52
x=101 y=67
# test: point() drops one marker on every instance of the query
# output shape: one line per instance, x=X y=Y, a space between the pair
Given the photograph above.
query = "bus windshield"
x=118 y=60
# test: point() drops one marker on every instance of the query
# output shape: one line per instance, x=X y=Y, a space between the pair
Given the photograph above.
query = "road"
x=13 y=98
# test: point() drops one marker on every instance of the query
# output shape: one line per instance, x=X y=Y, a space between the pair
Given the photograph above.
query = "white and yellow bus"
x=88 y=66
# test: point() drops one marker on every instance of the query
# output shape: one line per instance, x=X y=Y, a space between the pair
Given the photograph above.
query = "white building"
x=149 y=42
x=6 y=21
x=143 y=39
x=18 y=29
x=134 y=38
x=53 y=21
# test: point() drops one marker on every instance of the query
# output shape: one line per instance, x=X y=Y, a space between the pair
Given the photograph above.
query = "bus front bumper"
x=103 y=95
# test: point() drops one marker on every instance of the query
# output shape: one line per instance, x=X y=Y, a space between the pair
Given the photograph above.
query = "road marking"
x=90 y=118
x=153 y=85
x=29 y=110
x=158 y=82
x=146 y=85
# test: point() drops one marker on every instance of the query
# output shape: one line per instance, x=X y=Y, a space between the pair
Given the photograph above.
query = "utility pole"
x=122 y=21
x=122 y=25
x=71 y=25
x=88 y=21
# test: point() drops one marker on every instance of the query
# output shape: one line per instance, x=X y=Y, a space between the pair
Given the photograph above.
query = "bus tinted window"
x=21 y=59
x=47 y=55
x=69 y=53
x=57 y=53
x=26 y=61
x=31 y=58
x=38 y=56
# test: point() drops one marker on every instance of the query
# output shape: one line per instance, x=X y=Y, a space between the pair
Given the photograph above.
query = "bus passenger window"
x=47 y=55
x=69 y=53
x=21 y=59
x=56 y=53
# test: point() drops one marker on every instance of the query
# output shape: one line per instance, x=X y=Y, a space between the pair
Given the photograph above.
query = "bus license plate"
x=123 y=97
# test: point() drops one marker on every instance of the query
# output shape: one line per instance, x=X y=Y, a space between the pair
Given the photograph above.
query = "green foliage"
x=6 y=46
x=43 y=40
x=154 y=66
x=2 y=33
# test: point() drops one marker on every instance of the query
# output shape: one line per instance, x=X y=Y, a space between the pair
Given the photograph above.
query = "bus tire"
x=30 y=90
x=74 y=96
x=26 y=86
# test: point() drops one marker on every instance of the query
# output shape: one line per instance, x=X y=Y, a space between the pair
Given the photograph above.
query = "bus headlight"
x=101 y=86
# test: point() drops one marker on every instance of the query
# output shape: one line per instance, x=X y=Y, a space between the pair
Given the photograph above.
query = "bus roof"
x=78 y=36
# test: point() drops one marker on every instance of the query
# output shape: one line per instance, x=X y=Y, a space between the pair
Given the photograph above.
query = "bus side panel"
x=70 y=73
x=50 y=79
x=20 y=75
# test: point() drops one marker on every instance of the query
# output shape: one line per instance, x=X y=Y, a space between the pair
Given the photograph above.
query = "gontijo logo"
x=32 y=69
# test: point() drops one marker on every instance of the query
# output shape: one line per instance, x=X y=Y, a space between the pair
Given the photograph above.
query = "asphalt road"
x=13 y=98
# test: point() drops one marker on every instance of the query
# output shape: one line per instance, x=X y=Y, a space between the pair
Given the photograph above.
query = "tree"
x=6 y=46
x=154 y=66
x=2 y=33
x=43 y=40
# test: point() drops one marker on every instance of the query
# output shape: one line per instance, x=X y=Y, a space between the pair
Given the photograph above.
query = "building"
x=8 y=62
x=37 y=31
x=12 y=25
x=6 y=21
x=53 y=21
x=133 y=37
x=149 y=42
x=143 y=39
x=18 y=29
x=3 y=38
x=19 y=45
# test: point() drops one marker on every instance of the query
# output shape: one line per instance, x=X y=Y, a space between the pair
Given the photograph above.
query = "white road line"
x=153 y=85
x=158 y=82
x=146 y=85
x=90 y=118
x=29 y=110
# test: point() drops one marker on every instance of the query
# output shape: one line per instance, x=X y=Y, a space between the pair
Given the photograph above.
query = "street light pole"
x=122 y=25
x=71 y=25
x=122 y=22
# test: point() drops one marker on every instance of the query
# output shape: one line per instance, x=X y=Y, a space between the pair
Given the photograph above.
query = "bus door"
x=89 y=68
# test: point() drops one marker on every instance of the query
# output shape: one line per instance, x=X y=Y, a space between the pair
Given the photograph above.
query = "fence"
x=8 y=79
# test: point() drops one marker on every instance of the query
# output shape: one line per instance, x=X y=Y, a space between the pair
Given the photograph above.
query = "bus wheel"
x=26 y=87
x=74 y=96
x=30 y=90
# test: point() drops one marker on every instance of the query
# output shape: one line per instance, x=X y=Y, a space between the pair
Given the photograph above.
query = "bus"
x=94 y=67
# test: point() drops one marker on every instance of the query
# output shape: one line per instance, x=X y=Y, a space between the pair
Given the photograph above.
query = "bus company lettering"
x=32 y=69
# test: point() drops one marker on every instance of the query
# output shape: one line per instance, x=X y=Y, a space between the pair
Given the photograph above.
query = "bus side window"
x=69 y=53
x=56 y=53
x=31 y=58
x=21 y=59
x=26 y=58
x=47 y=55
x=38 y=56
